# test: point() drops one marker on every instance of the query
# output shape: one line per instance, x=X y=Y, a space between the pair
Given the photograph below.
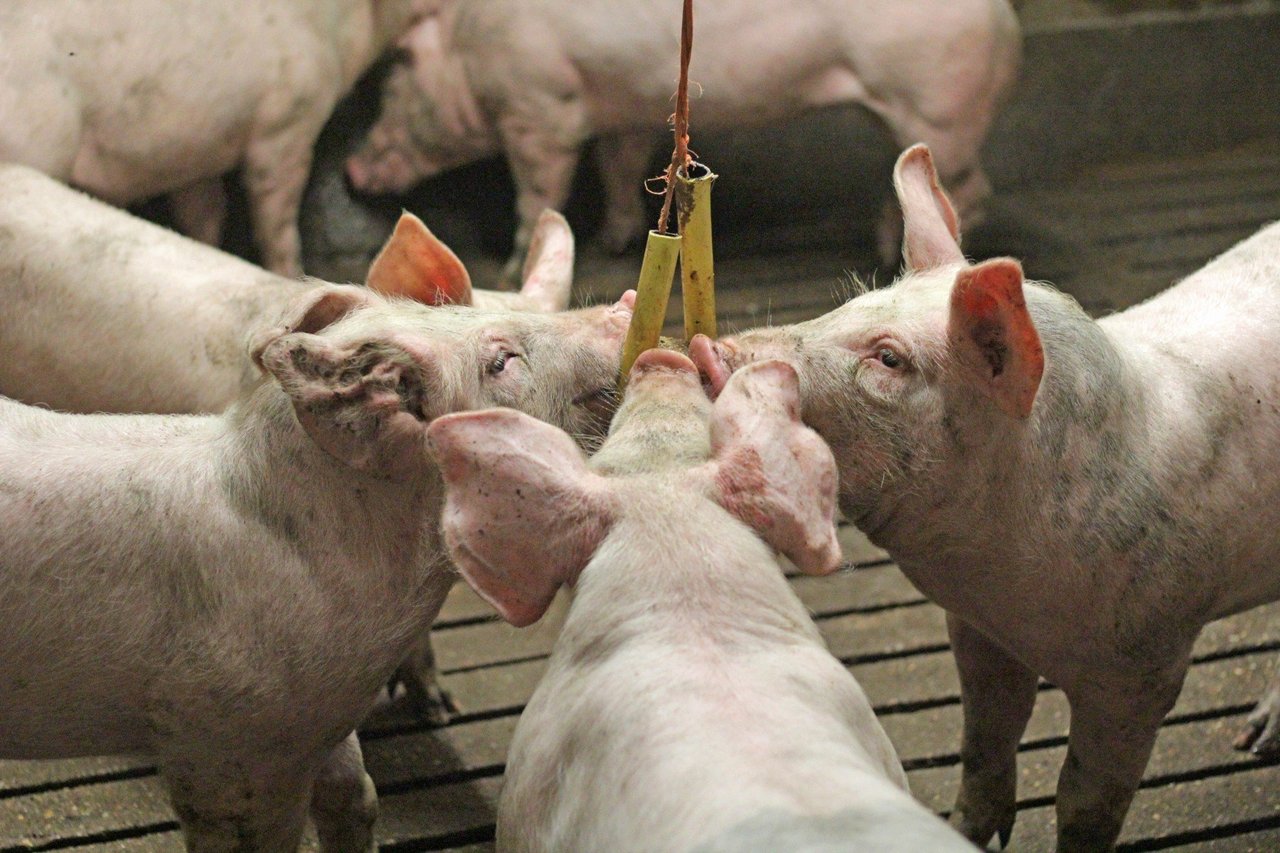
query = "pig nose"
x=709 y=357
x=357 y=173
x=662 y=359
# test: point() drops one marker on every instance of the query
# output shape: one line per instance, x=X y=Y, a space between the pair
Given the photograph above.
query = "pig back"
x=107 y=312
x=681 y=625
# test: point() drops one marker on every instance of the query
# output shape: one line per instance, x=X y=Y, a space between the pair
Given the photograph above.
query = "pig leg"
x=237 y=811
x=998 y=694
x=200 y=209
x=542 y=166
x=421 y=682
x=1114 y=722
x=622 y=159
x=277 y=164
x=1261 y=734
x=344 y=804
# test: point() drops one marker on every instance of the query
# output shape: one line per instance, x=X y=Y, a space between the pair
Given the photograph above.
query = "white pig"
x=107 y=312
x=1082 y=497
x=228 y=593
x=534 y=79
x=690 y=702
x=139 y=98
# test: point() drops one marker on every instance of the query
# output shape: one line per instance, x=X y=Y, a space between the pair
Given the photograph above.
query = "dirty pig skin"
x=1081 y=496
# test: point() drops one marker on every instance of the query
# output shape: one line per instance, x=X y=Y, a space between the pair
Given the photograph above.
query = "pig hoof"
x=980 y=828
x=429 y=702
x=1261 y=734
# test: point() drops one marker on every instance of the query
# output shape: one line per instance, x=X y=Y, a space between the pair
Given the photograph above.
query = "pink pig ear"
x=522 y=514
x=415 y=264
x=930 y=229
x=362 y=401
x=994 y=336
x=771 y=471
x=548 y=268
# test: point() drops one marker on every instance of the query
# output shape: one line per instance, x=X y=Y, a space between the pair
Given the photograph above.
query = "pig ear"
x=773 y=472
x=930 y=230
x=415 y=264
x=362 y=402
x=522 y=513
x=311 y=312
x=548 y=268
x=992 y=333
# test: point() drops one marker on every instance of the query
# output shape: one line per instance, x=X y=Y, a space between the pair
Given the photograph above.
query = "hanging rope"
x=680 y=119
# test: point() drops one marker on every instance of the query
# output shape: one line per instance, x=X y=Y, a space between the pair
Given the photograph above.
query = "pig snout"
x=715 y=362
x=662 y=359
x=382 y=164
x=666 y=374
x=617 y=317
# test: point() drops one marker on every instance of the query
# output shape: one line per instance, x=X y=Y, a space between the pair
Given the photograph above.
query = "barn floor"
x=1115 y=234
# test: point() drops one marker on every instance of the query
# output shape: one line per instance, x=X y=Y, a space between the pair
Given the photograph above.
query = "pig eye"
x=889 y=358
x=499 y=363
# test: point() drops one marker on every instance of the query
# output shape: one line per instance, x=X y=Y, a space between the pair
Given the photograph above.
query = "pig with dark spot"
x=690 y=703
x=105 y=312
x=534 y=79
x=227 y=594
x=140 y=98
x=1081 y=496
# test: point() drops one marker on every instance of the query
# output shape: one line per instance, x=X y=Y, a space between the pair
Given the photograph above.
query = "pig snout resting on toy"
x=228 y=593
x=116 y=100
x=1082 y=497
x=105 y=312
x=534 y=79
x=689 y=703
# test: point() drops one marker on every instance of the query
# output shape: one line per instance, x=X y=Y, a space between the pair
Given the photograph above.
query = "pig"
x=1081 y=496
x=121 y=101
x=107 y=312
x=689 y=702
x=227 y=593
x=534 y=79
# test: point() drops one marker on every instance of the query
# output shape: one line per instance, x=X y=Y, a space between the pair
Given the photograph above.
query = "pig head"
x=525 y=513
x=1059 y=485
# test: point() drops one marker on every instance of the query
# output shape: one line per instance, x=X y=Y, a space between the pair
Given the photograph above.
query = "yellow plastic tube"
x=697 y=263
x=657 y=271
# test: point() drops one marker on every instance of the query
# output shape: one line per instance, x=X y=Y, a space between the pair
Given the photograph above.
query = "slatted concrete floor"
x=1112 y=236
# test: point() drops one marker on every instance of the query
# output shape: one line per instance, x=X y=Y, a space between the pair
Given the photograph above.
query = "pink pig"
x=105 y=312
x=689 y=703
x=534 y=79
x=137 y=98
x=1081 y=496
x=228 y=593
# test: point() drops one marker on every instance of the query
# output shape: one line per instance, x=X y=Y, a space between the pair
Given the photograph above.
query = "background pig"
x=149 y=97
x=533 y=79
x=689 y=703
x=228 y=593
x=1082 y=497
x=107 y=312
